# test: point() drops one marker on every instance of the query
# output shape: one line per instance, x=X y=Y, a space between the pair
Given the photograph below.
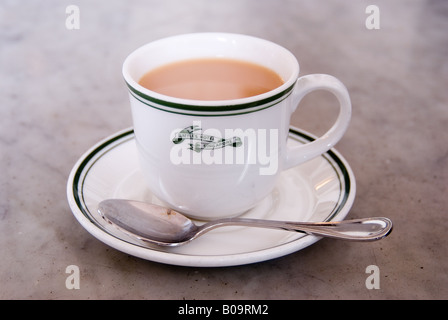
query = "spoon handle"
x=368 y=229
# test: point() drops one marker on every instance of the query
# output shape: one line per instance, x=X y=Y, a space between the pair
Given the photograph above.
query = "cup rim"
x=151 y=97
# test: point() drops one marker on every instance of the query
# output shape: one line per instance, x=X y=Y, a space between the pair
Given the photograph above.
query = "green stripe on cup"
x=209 y=110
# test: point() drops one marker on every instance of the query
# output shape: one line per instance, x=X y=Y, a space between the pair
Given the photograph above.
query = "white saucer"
x=323 y=189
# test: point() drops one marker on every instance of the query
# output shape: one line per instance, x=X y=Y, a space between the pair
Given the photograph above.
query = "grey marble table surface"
x=62 y=91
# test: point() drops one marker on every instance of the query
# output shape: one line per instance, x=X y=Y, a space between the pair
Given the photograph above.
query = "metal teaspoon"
x=165 y=227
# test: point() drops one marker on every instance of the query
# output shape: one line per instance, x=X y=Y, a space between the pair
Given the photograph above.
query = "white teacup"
x=215 y=159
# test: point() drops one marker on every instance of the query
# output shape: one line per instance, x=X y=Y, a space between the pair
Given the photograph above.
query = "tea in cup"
x=211 y=115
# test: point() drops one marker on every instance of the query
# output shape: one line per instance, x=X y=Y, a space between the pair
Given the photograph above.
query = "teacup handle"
x=306 y=84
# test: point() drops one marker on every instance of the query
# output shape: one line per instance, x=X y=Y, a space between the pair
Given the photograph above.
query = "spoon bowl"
x=165 y=227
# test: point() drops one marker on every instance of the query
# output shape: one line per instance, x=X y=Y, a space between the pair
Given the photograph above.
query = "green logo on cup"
x=199 y=141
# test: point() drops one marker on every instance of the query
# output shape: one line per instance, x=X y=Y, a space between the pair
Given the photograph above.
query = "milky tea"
x=211 y=79
x=216 y=106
